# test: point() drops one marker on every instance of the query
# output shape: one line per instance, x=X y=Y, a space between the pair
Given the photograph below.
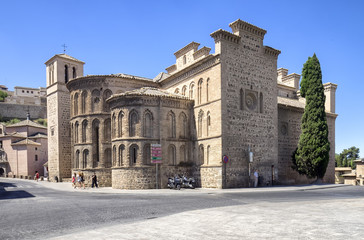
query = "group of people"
x=78 y=180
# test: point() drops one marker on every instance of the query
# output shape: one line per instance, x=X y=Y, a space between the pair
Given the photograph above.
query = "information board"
x=156 y=153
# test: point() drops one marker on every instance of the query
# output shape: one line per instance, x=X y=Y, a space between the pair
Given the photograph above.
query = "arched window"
x=201 y=154
x=176 y=91
x=85 y=158
x=107 y=94
x=84 y=130
x=77 y=160
x=199 y=91
x=148 y=124
x=133 y=121
x=184 y=60
x=241 y=99
x=95 y=101
x=114 y=162
x=120 y=124
x=208 y=155
x=96 y=139
x=83 y=101
x=184 y=88
x=75 y=105
x=208 y=124
x=207 y=89
x=107 y=157
x=182 y=152
x=192 y=85
x=113 y=126
x=146 y=154
x=171 y=118
x=200 y=117
x=183 y=124
x=261 y=103
x=133 y=153
x=107 y=130
x=76 y=132
x=120 y=159
x=65 y=73
x=172 y=154
x=74 y=74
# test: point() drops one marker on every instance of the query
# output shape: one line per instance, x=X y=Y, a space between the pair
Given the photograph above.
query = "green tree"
x=12 y=121
x=41 y=121
x=3 y=95
x=346 y=157
x=312 y=156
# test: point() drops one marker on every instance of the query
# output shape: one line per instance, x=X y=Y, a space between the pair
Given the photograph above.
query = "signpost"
x=156 y=157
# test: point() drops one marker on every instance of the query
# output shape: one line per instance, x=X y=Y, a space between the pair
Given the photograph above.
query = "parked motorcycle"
x=181 y=181
x=188 y=182
x=174 y=183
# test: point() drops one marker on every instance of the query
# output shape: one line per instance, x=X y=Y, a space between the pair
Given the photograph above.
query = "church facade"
x=207 y=107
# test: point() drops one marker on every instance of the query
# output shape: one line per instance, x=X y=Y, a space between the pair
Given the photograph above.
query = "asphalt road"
x=31 y=211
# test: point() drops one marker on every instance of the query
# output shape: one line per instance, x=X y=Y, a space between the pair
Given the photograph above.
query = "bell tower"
x=60 y=69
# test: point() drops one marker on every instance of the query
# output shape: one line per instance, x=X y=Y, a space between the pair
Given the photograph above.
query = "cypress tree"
x=312 y=155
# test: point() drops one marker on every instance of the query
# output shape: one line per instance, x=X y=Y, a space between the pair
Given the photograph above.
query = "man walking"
x=256 y=177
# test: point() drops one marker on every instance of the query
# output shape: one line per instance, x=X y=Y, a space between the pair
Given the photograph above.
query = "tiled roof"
x=26 y=123
x=290 y=102
x=161 y=76
x=39 y=135
x=150 y=91
x=68 y=57
x=26 y=142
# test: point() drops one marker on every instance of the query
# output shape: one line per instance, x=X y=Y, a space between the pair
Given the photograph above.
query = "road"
x=31 y=211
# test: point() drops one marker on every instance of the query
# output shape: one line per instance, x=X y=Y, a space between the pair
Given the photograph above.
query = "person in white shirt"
x=256 y=176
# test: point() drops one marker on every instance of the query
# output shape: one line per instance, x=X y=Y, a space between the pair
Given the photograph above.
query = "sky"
x=140 y=37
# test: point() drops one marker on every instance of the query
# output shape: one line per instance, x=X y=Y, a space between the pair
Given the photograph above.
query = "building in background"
x=231 y=104
x=23 y=100
x=23 y=149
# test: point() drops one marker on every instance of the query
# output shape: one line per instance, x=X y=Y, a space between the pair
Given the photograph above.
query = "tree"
x=3 y=95
x=346 y=157
x=312 y=156
x=41 y=121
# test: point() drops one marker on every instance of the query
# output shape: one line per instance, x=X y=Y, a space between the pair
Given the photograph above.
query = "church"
x=217 y=117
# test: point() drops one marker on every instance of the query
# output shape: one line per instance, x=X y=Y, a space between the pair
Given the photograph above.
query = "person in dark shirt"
x=94 y=180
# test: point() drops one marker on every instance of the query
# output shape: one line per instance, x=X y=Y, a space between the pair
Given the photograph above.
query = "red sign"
x=156 y=153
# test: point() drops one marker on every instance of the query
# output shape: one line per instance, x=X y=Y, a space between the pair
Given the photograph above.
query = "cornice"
x=271 y=51
x=193 y=69
x=247 y=27
x=225 y=35
x=188 y=47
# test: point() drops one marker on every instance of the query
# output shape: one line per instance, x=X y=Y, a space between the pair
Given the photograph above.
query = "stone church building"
x=230 y=103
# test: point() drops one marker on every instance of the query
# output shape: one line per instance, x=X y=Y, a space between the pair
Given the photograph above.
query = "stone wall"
x=9 y=111
x=289 y=130
x=103 y=175
x=249 y=104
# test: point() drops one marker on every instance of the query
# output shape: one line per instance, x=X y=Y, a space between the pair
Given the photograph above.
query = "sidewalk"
x=67 y=186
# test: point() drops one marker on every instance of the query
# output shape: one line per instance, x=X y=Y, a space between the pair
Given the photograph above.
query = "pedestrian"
x=82 y=180
x=74 y=179
x=94 y=180
x=256 y=177
x=79 y=179
x=36 y=176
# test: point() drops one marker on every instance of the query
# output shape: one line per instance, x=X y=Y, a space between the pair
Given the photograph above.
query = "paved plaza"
x=298 y=212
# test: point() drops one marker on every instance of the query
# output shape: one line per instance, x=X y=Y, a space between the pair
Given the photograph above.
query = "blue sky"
x=140 y=37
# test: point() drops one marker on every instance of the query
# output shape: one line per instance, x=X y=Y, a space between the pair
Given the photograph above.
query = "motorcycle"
x=188 y=182
x=174 y=183
x=177 y=182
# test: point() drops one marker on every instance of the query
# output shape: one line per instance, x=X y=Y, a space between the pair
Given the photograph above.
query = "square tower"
x=60 y=69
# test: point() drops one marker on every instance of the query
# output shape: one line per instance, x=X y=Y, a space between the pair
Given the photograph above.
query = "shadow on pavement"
x=5 y=195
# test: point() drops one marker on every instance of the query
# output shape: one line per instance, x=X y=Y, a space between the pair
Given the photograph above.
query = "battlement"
x=240 y=26
x=188 y=55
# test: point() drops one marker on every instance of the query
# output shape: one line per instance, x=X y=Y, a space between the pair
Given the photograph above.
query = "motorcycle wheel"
x=192 y=187
x=178 y=187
